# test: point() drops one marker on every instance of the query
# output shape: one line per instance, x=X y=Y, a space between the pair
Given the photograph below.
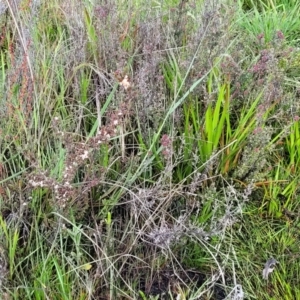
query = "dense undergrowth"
x=149 y=149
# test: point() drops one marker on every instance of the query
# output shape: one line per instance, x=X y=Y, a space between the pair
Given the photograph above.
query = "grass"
x=149 y=151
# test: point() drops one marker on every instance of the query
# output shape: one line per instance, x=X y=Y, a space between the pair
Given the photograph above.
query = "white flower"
x=125 y=83
x=85 y=155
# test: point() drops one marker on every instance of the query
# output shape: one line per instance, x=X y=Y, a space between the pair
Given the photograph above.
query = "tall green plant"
x=293 y=147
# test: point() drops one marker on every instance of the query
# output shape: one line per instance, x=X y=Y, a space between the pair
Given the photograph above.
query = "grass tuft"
x=149 y=150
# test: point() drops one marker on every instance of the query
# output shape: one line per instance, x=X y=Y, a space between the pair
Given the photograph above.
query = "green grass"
x=149 y=151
